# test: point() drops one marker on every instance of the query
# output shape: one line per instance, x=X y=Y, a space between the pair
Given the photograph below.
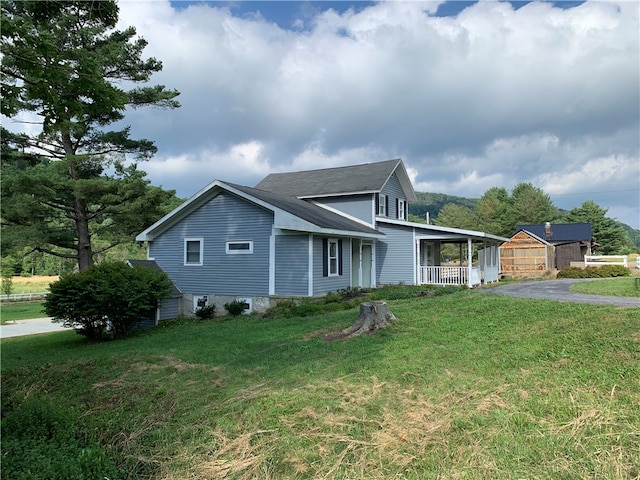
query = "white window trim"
x=239 y=252
x=194 y=264
x=382 y=205
x=401 y=208
x=336 y=258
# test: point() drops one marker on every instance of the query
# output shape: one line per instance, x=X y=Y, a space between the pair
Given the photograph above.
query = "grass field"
x=20 y=311
x=33 y=284
x=465 y=386
x=617 y=287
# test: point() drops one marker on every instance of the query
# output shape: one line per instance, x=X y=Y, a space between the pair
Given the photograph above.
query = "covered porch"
x=457 y=257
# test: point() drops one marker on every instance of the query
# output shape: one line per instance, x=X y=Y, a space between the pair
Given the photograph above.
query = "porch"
x=477 y=260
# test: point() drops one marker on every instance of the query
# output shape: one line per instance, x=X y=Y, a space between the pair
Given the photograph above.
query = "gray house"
x=306 y=234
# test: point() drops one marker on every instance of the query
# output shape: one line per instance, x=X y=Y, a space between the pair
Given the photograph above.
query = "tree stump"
x=373 y=316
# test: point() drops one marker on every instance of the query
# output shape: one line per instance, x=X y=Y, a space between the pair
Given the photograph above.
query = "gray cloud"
x=491 y=97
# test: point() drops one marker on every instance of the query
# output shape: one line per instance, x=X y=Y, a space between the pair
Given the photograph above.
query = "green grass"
x=10 y=312
x=469 y=385
x=617 y=287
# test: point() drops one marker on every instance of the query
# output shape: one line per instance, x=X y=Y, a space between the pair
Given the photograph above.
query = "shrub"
x=605 y=271
x=235 y=308
x=107 y=299
x=206 y=313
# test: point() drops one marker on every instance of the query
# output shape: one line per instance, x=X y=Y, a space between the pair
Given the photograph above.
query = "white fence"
x=23 y=297
x=598 y=260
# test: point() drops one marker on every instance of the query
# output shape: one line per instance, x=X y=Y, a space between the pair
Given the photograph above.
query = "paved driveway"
x=20 y=328
x=559 y=290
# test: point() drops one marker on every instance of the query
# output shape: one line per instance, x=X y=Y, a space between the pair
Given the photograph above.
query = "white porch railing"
x=597 y=260
x=444 y=275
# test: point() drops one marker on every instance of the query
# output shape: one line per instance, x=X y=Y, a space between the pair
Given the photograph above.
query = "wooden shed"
x=526 y=253
x=572 y=241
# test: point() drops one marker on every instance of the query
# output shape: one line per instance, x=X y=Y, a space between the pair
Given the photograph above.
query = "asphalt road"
x=559 y=290
x=34 y=326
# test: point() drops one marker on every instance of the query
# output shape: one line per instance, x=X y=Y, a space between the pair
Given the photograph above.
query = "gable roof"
x=561 y=232
x=290 y=213
x=329 y=182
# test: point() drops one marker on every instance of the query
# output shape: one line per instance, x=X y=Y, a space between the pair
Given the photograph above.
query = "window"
x=402 y=209
x=240 y=247
x=193 y=251
x=332 y=257
x=382 y=205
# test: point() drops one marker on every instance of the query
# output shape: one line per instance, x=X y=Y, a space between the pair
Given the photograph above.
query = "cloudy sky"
x=470 y=95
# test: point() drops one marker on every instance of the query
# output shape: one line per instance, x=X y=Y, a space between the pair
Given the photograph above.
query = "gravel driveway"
x=559 y=290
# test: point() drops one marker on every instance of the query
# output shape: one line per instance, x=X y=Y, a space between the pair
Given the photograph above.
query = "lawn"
x=20 y=311
x=469 y=385
x=617 y=287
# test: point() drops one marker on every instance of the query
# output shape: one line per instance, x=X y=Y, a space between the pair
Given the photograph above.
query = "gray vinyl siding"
x=358 y=206
x=292 y=265
x=169 y=308
x=224 y=218
x=323 y=285
x=393 y=190
x=394 y=255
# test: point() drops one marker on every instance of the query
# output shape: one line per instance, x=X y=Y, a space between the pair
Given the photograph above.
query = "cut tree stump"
x=373 y=316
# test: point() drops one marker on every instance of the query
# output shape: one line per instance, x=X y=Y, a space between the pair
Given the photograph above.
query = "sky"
x=471 y=95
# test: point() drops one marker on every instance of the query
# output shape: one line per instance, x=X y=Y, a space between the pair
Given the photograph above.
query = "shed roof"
x=561 y=232
x=365 y=178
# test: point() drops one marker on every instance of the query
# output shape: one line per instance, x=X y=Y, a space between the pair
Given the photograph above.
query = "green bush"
x=106 y=300
x=206 y=313
x=235 y=308
x=42 y=439
x=605 y=271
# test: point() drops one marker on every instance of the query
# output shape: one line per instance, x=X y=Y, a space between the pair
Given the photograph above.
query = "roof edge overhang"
x=453 y=232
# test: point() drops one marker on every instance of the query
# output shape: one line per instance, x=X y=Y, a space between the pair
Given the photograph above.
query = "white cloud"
x=492 y=97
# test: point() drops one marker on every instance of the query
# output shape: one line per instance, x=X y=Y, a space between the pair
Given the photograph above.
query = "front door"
x=367 y=262
x=361 y=264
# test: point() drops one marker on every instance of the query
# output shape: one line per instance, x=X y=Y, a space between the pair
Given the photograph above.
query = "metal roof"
x=560 y=232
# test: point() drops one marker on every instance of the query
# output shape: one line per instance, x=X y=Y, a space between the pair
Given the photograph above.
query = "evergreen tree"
x=65 y=64
x=608 y=234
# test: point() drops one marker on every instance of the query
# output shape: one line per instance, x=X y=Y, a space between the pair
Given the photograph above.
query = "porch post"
x=469 y=262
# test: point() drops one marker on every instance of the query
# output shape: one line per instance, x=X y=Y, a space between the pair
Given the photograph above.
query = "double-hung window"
x=382 y=205
x=193 y=248
x=332 y=257
x=402 y=210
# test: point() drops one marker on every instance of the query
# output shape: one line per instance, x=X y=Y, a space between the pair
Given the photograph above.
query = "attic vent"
x=547 y=231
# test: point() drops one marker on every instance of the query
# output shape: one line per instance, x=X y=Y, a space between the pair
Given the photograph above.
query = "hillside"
x=433 y=202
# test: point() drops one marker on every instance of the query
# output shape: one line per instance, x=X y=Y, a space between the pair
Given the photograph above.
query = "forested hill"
x=433 y=202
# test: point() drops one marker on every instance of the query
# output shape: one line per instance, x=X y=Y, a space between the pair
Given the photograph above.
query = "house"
x=540 y=247
x=308 y=233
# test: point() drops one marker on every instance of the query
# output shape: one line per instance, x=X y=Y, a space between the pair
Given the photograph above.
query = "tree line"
x=499 y=211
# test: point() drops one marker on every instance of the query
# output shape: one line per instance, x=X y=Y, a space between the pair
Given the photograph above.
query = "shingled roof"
x=309 y=212
x=365 y=178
